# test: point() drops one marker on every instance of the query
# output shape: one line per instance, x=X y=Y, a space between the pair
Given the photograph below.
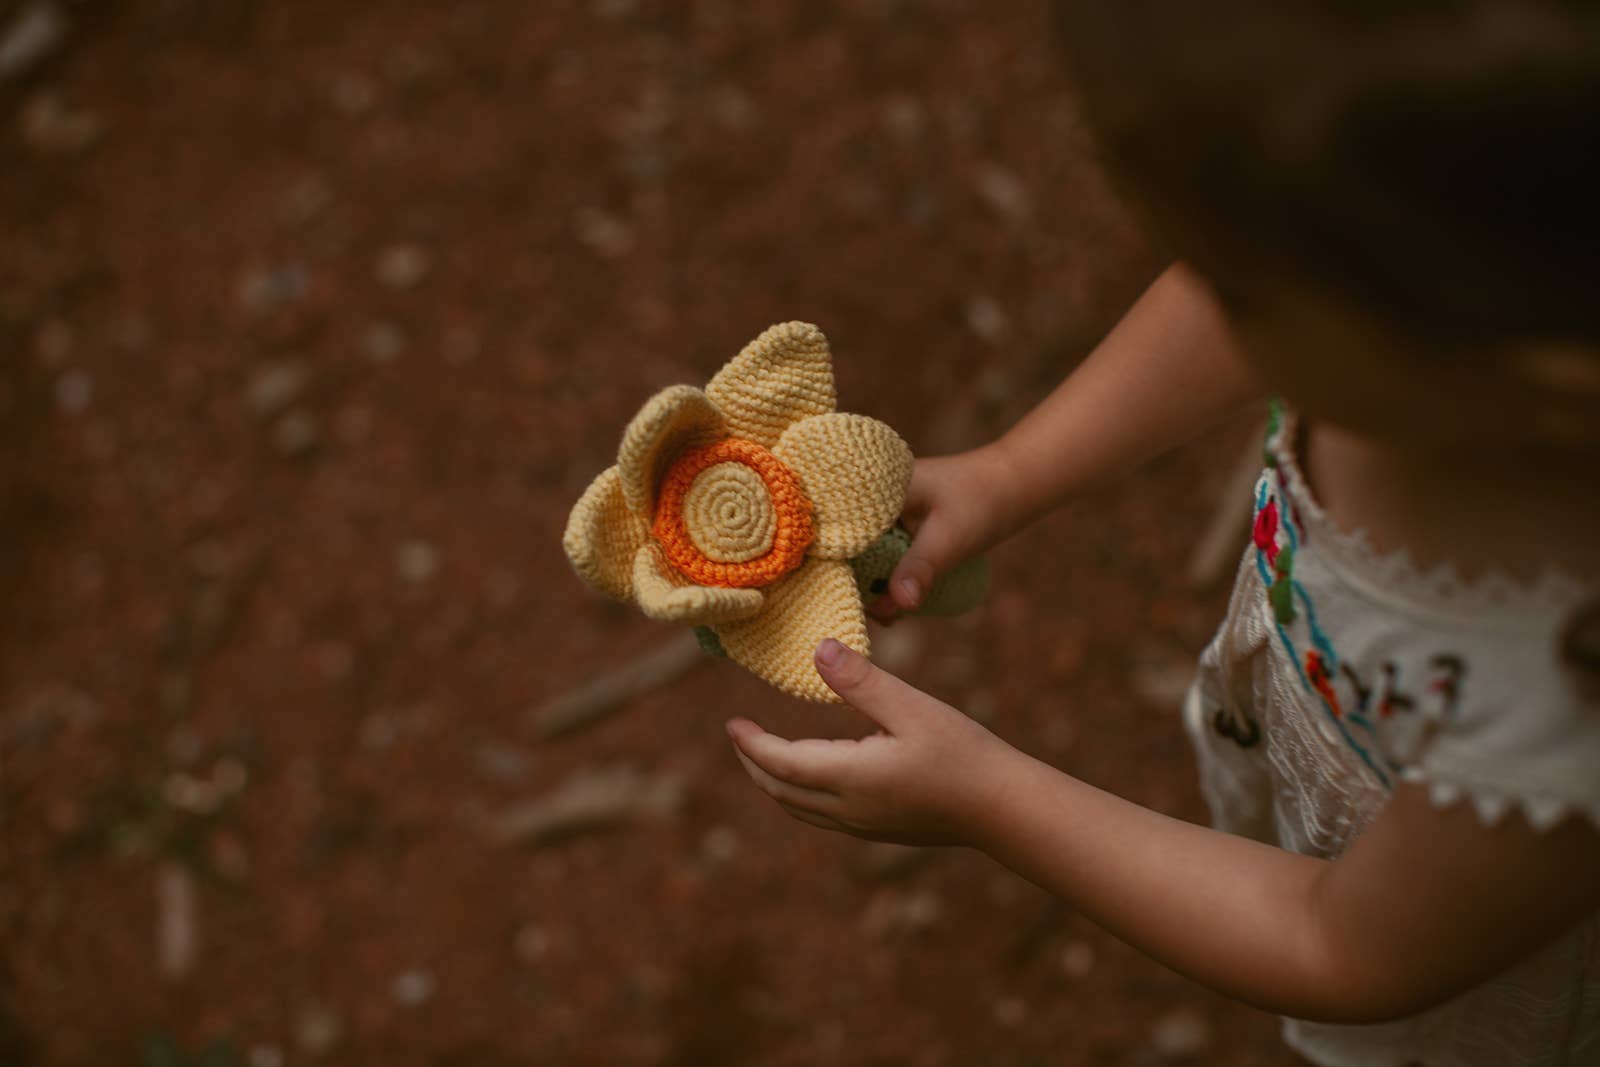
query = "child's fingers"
x=792 y=797
x=884 y=609
x=919 y=497
x=932 y=552
x=812 y=762
x=819 y=821
x=874 y=692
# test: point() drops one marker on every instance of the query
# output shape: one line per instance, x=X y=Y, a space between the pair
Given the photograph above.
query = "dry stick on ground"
x=607 y=693
x=28 y=36
x=1219 y=545
x=177 y=921
x=589 y=801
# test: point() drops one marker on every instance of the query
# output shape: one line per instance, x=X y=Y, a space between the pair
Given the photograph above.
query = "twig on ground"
x=607 y=693
x=35 y=33
x=590 y=801
x=177 y=924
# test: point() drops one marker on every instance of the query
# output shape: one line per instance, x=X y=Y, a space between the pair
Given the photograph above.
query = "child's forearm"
x=1231 y=913
x=1379 y=934
x=1167 y=371
x=1423 y=904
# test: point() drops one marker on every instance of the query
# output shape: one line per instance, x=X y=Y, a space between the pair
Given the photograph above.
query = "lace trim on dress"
x=1494 y=601
x=1492 y=803
x=1395 y=578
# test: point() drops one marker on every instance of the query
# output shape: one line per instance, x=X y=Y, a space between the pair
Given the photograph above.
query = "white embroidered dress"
x=1339 y=672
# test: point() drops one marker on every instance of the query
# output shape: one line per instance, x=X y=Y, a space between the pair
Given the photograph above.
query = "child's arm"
x=1167 y=371
x=1425 y=904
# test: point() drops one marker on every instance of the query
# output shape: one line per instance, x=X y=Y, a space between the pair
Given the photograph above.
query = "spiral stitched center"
x=731 y=514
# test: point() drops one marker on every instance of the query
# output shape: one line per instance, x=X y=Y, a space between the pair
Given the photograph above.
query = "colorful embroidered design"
x=1277 y=539
x=1274 y=422
x=1383 y=724
x=1280 y=591
x=1321 y=680
x=1391 y=701
x=1265 y=534
x=1446 y=684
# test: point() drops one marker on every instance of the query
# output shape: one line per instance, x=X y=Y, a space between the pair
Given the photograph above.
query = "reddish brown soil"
x=485 y=232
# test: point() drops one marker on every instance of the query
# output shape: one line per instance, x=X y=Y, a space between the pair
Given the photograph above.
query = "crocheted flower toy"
x=739 y=508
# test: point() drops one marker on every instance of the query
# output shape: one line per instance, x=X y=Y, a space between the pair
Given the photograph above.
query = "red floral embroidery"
x=1322 y=680
x=1265 y=534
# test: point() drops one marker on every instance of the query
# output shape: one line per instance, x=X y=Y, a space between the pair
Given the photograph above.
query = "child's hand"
x=925 y=778
x=956 y=507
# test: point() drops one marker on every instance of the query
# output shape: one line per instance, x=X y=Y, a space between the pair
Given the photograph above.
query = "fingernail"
x=910 y=590
x=830 y=652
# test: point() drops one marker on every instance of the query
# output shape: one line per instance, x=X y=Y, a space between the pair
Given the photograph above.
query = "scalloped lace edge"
x=1396 y=572
x=1492 y=805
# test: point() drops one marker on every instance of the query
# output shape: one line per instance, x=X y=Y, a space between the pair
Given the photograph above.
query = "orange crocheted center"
x=792 y=532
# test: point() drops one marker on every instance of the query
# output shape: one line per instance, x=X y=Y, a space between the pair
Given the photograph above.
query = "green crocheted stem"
x=710 y=643
x=960 y=590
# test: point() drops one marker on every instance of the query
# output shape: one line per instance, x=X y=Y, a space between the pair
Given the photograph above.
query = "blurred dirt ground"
x=316 y=318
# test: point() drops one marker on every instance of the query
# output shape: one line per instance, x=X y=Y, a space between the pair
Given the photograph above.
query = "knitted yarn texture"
x=737 y=508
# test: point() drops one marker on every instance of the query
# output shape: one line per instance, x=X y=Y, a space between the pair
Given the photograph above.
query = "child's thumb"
x=931 y=553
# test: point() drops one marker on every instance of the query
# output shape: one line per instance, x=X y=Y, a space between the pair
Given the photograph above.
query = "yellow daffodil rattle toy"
x=756 y=512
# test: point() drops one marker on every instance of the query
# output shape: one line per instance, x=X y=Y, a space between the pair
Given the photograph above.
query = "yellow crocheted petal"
x=603 y=536
x=676 y=418
x=819 y=600
x=855 y=471
x=781 y=377
x=666 y=595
